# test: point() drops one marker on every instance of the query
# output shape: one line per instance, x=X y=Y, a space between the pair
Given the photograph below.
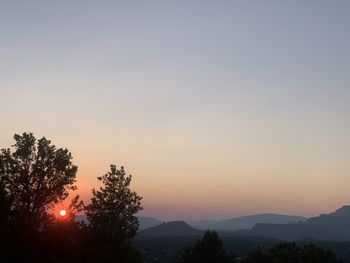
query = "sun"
x=63 y=212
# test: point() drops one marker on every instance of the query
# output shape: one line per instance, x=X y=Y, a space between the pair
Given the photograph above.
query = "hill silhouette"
x=328 y=227
x=174 y=228
x=333 y=220
x=246 y=222
x=334 y=227
x=146 y=222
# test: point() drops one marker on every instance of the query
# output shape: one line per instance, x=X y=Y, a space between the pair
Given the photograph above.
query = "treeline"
x=210 y=249
x=35 y=177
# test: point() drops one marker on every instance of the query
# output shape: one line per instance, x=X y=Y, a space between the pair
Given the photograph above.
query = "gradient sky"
x=217 y=108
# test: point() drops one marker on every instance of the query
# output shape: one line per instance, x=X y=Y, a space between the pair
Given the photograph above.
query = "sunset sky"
x=217 y=108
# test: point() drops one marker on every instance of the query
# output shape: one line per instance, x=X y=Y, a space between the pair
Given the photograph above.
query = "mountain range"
x=144 y=222
x=333 y=227
x=181 y=228
x=174 y=228
x=246 y=222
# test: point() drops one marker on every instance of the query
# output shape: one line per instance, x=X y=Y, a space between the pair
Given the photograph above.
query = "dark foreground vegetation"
x=170 y=249
x=35 y=177
x=290 y=252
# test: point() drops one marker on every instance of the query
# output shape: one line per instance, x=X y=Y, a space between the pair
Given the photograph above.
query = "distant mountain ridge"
x=144 y=222
x=181 y=228
x=238 y=223
x=246 y=222
x=174 y=228
x=333 y=227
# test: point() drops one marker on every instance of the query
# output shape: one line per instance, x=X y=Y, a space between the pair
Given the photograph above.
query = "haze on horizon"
x=217 y=109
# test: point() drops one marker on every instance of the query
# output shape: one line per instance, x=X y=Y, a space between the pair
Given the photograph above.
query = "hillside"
x=146 y=222
x=175 y=228
x=246 y=222
x=334 y=226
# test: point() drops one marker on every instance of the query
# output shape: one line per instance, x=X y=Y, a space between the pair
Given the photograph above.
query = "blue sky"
x=218 y=108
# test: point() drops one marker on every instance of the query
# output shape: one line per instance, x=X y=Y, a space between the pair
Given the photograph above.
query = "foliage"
x=285 y=252
x=113 y=208
x=111 y=215
x=34 y=177
x=209 y=249
x=256 y=255
x=291 y=253
x=312 y=254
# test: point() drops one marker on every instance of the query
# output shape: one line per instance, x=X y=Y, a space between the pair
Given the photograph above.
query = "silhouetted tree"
x=35 y=176
x=209 y=249
x=112 y=219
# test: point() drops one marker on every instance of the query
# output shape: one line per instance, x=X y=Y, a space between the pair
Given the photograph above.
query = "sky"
x=217 y=108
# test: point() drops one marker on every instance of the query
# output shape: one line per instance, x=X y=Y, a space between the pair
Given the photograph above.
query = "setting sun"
x=63 y=212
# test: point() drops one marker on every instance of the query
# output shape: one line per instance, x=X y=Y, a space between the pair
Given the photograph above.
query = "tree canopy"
x=34 y=177
x=209 y=249
x=285 y=252
x=112 y=216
